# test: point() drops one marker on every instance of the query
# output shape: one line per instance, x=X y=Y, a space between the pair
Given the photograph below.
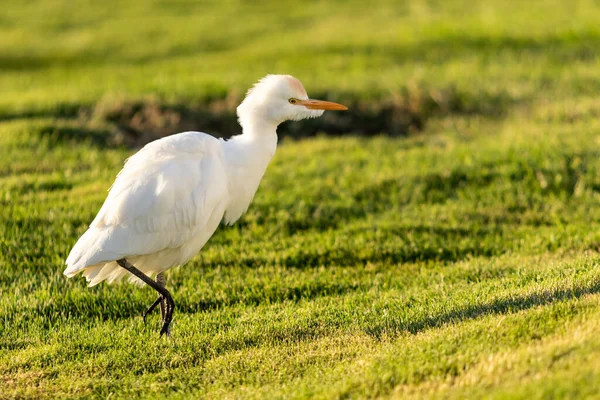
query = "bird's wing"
x=164 y=195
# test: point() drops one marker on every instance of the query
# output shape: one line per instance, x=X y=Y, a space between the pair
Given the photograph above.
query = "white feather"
x=158 y=210
x=170 y=197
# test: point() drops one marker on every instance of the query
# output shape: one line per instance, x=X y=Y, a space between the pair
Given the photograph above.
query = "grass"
x=460 y=261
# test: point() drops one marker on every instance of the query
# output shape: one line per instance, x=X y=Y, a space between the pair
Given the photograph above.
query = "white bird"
x=170 y=196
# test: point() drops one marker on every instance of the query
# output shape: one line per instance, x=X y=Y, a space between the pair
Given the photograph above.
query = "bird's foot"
x=169 y=307
x=152 y=307
x=166 y=310
x=165 y=330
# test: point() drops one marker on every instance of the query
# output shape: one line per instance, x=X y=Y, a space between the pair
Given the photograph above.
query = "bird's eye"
x=292 y=101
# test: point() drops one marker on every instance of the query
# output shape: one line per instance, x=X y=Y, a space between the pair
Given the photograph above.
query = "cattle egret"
x=170 y=196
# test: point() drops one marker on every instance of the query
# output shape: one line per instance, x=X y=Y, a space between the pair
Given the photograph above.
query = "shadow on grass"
x=431 y=188
x=499 y=306
x=50 y=315
x=105 y=304
x=382 y=196
x=534 y=181
x=412 y=244
x=57 y=134
x=60 y=110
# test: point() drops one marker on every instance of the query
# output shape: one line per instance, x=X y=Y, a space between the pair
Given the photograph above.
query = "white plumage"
x=163 y=207
x=170 y=196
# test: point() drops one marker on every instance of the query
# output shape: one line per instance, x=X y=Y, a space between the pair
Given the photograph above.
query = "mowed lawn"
x=460 y=261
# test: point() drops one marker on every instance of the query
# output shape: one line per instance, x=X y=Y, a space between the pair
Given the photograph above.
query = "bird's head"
x=279 y=98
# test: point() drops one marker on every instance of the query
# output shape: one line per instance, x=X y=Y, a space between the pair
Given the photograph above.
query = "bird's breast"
x=241 y=192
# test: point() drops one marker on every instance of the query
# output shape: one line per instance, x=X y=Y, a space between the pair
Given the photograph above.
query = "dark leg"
x=160 y=279
x=168 y=302
x=152 y=307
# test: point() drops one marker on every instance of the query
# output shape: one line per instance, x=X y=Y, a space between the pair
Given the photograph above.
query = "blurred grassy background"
x=452 y=255
x=76 y=53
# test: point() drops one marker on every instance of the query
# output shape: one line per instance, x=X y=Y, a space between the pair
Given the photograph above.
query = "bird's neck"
x=250 y=153
x=259 y=138
x=258 y=127
x=247 y=157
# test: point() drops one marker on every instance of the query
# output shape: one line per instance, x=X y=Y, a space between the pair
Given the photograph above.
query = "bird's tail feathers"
x=89 y=251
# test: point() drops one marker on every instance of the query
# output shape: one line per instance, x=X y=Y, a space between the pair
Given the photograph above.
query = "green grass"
x=457 y=262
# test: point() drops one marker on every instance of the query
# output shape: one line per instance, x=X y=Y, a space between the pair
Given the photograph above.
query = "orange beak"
x=321 y=105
